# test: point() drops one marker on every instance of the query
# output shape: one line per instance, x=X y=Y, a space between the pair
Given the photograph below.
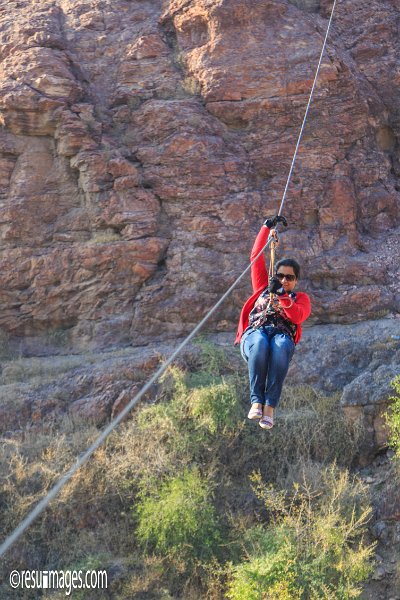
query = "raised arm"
x=259 y=272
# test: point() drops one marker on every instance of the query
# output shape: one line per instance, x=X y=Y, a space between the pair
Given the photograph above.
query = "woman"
x=268 y=334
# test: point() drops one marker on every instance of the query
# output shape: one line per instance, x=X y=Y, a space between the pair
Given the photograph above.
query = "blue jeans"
x=268 y=353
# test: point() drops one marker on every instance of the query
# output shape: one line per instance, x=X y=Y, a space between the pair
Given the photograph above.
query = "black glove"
x=274 y=285
x=273 y=221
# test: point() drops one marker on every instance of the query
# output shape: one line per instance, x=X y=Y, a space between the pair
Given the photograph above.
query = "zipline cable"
x=84 y=457
x=307 y=109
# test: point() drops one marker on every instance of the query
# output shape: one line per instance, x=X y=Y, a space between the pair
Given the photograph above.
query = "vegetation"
x=313 y=547
x=178 y=519
x=393 y=418
x=189 y=500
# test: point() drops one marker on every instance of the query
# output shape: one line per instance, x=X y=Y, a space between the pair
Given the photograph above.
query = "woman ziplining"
x=270 y=321
x=270 y=325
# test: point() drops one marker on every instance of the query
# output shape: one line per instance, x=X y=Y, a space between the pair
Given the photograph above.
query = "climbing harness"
x=262 y=316
x=84 y=457
x=274 y=242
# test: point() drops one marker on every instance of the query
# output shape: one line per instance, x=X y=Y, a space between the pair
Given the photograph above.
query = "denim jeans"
x=268 y=353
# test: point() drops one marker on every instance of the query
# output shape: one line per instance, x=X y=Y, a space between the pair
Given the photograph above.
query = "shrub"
x=215 y=407
x=194 y=413
x=89 y=516
x=177 y=519
x=393 y=417
x=268 y=572
x=313 y=546
x=167 y=414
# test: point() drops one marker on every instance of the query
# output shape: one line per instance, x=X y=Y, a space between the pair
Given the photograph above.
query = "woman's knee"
x=282 y=344
x=259 y=344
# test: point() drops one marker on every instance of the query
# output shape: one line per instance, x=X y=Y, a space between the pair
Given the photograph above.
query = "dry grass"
x=46 y=369
x=105 y=237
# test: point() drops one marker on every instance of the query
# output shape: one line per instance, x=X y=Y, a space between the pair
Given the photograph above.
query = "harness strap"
x=273 y=235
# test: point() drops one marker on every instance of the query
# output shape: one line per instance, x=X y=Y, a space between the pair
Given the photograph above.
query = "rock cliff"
x=143 y=143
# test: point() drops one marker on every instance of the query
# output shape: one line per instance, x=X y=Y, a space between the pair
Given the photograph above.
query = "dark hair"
x=289 y=262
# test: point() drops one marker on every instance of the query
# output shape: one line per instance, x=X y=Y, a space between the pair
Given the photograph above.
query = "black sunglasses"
x=282 y=276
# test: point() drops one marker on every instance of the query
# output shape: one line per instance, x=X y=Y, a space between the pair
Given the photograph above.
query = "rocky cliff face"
x=143 y=143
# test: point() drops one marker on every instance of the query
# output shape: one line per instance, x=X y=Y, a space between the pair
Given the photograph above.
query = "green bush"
x=193 y=412
x=215 y=407
x=313 y=546
x=177 y=519
x=393 y=417
x=268 y=572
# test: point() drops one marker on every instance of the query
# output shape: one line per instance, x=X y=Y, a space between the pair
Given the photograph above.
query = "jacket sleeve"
x=299 y=311
x=259 y=272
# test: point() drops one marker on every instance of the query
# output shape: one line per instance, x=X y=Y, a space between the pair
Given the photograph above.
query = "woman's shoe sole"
x=254 y=416
x=268 y=423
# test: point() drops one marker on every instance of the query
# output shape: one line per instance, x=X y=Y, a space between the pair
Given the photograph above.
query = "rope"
x=273 y=238
x=83 y=458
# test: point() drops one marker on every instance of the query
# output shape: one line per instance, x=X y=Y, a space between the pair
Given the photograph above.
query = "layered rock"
x=359 y=361
x=144 y=142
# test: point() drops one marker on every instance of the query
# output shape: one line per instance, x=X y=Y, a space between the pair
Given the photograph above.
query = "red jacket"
x=299 y=312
